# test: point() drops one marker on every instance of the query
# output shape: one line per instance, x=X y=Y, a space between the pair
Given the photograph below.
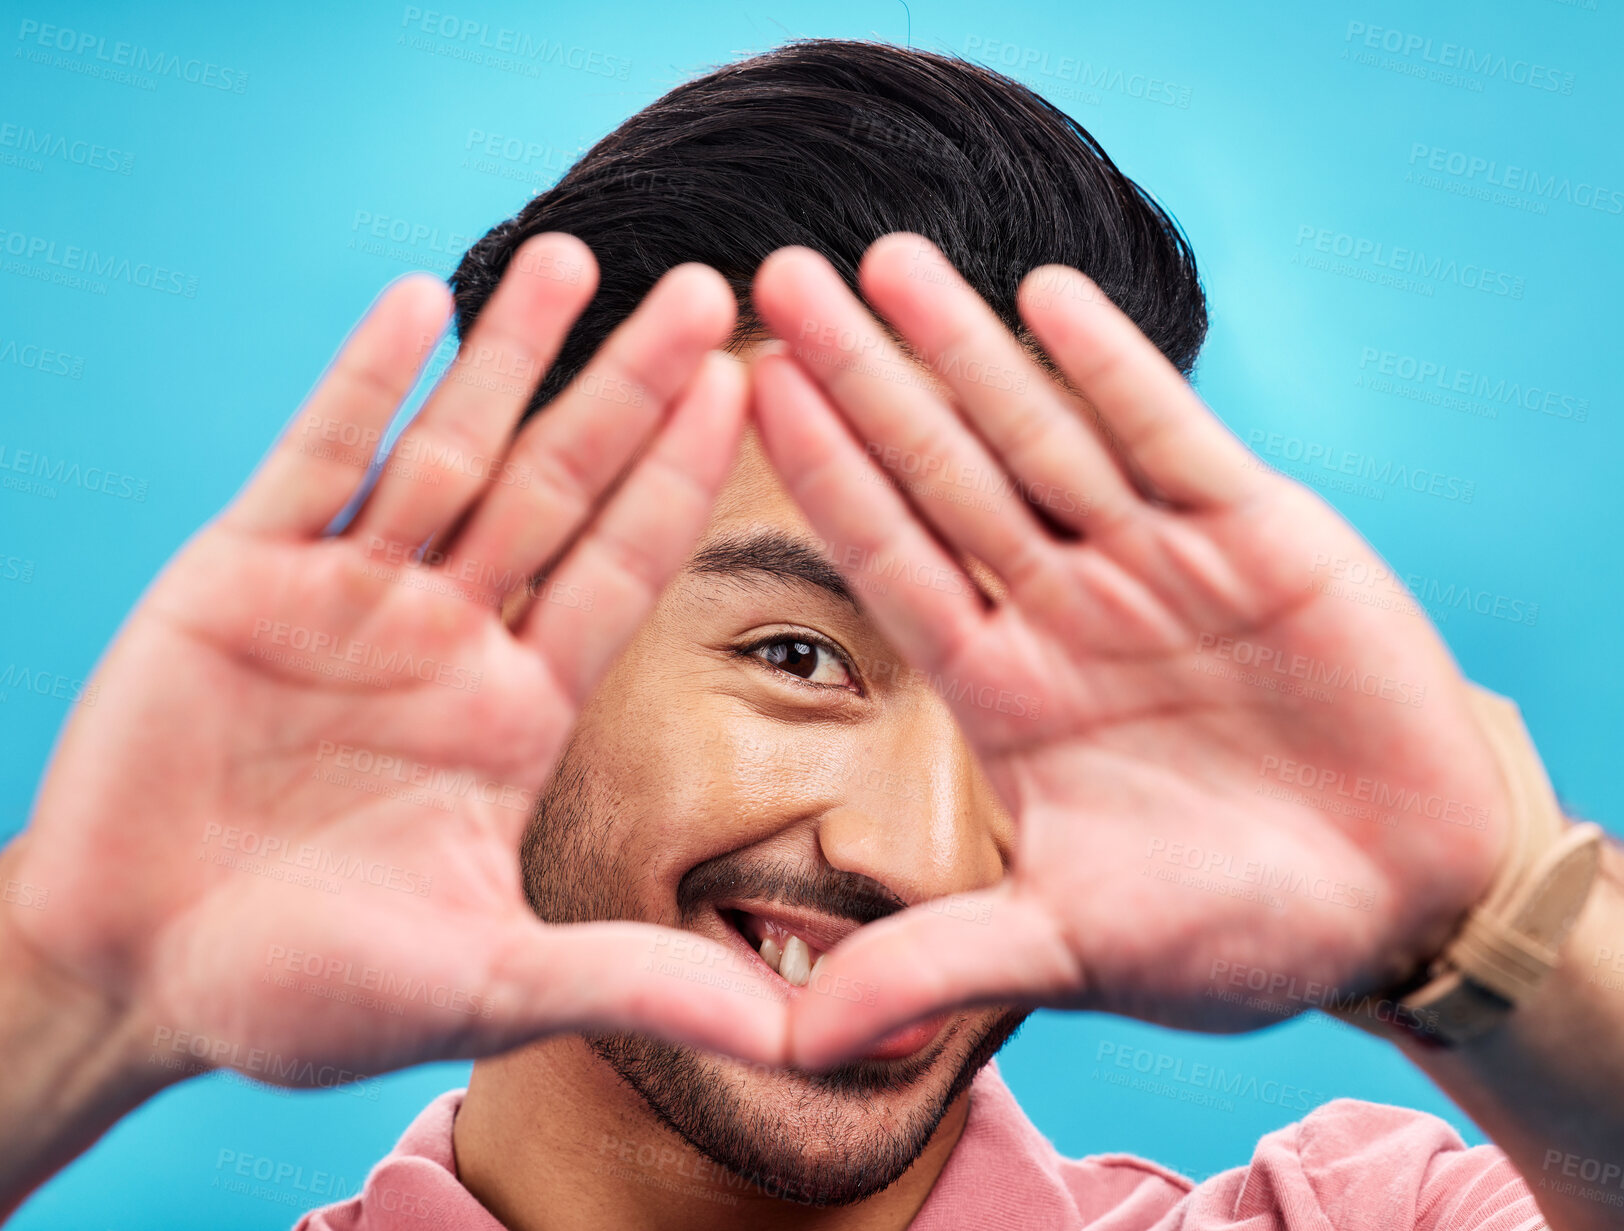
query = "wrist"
x=1511 y=940
x=72 y=1058
x=1545 y=1082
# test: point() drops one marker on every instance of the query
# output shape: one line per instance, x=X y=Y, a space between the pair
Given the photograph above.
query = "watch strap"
x=1513 y=937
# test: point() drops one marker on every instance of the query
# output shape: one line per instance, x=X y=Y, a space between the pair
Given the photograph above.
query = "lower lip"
x=900 y=1044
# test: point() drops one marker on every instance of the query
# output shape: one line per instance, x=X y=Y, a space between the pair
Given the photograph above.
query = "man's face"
x=760 y=765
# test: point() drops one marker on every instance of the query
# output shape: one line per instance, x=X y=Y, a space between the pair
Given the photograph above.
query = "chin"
x=820 y=1139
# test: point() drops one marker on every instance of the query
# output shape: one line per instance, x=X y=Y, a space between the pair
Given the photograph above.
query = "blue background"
x=1254 y=124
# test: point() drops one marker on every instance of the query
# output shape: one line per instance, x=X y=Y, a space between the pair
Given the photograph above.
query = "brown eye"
x=808 y=660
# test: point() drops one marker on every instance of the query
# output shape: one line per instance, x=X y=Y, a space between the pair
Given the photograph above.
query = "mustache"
x=849 y=895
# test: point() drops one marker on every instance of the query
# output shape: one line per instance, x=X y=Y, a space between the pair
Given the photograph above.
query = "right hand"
x=242 y=711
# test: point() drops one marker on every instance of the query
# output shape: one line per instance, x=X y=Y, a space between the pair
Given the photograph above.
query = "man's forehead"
x=755 y=508
x=757 y=530
x=754 y=494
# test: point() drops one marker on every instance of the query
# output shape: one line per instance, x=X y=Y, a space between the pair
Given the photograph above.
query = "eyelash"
x=750 y=651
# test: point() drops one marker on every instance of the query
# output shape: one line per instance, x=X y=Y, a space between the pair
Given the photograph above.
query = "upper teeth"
x=794 y=961
x=796 y=966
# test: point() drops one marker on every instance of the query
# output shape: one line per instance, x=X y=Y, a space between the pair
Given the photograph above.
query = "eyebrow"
x=774 y=554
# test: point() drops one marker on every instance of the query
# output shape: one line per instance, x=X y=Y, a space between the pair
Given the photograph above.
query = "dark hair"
x=832 y=143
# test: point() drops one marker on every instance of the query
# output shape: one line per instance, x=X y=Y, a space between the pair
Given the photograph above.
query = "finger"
x=632 y=976
x=608 y=581
x=453 y=448
x=984 y=949
x=926 y=601
x=316 y=467
x=568 y=455
x=888 y=399
x=1163 y=429
x=1062 y=466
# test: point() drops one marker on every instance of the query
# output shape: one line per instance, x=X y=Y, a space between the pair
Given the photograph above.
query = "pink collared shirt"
x=1347 y=1165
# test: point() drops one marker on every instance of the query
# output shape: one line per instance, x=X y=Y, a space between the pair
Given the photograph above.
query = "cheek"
x=706 y=777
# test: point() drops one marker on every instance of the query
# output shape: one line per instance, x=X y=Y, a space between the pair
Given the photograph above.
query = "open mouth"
x=791 y=950
x=792 y=944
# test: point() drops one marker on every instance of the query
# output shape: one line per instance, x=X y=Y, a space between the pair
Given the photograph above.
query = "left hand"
x=1229 y=761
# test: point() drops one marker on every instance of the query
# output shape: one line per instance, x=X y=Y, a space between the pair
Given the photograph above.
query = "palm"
x=271 y=836
x=1158 y=786
x=288 y=827
x=1179 y=649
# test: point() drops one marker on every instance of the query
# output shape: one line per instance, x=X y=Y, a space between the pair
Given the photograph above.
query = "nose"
x=918 y=814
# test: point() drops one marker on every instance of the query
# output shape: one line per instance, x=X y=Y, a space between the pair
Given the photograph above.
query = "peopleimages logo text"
x=475 y=37
x=1514 y=178
x=1318 y=455
x=30 y=143
x=1496 y=390
x=134 y=56
x=74 y=259
x=1445 y=54
x=41 y=466
x=1411 y=262
x=1012 y=58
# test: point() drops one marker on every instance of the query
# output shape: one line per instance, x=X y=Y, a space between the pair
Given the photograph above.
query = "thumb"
x=985 y=948
x=631 y=976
